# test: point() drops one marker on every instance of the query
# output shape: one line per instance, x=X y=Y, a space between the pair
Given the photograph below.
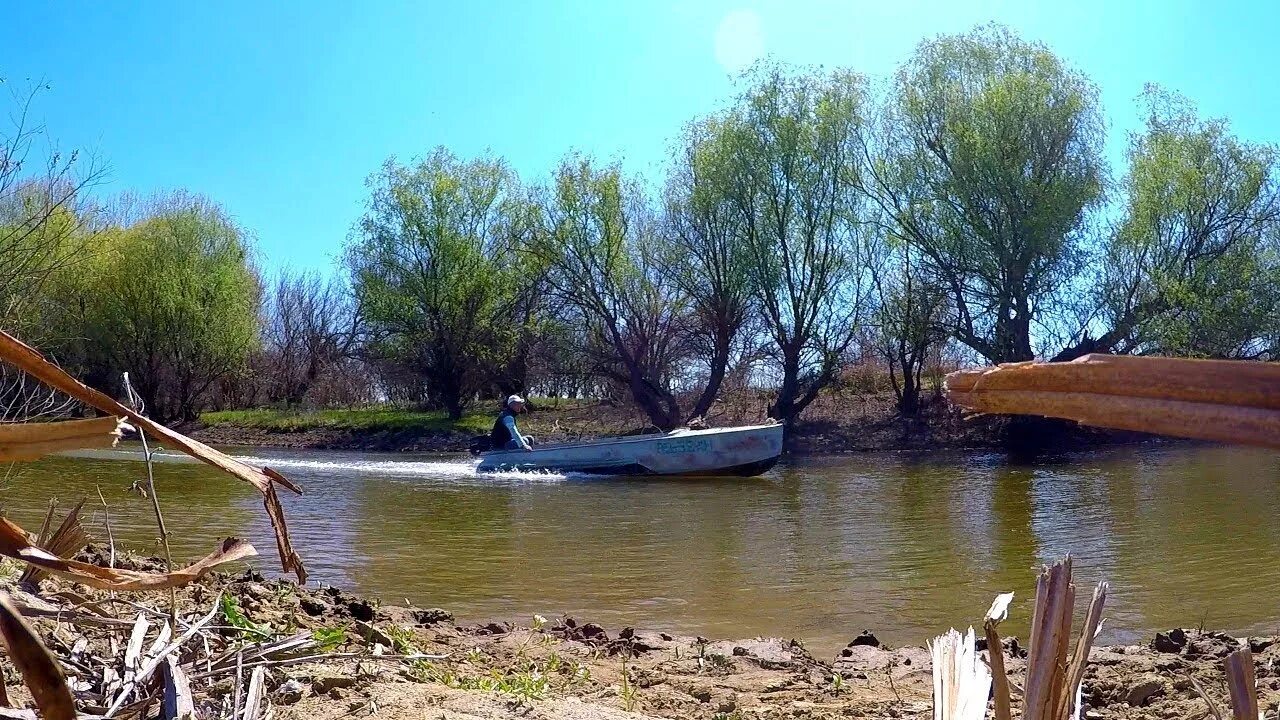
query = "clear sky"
x=280 y=112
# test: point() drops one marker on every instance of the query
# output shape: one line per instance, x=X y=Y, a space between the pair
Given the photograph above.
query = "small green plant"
x=628 y=691
x=837 y=683
x=236 y=618
x=554 y=663
x=329 y=638
x=528 y=685
x=475 y=656
x=539 y=622
x=719 y=659
x=579 y=673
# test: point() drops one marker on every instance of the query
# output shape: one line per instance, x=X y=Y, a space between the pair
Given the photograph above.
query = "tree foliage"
x=705 y=256
x=438 y=271
x=1194 y=266
x=991 y=167
x=170 y=298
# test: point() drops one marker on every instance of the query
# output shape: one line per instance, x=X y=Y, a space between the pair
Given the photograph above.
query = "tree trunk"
x=719 y=365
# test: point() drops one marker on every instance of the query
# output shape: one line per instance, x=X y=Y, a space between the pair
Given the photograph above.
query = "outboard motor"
x=480 y=444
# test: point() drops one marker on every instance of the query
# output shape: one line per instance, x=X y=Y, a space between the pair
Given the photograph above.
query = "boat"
x=742 y=451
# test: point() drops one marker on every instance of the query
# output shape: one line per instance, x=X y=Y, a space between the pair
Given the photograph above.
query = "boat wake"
x=453 y=471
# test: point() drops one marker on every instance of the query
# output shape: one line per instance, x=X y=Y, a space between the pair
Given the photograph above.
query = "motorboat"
x=743 y=451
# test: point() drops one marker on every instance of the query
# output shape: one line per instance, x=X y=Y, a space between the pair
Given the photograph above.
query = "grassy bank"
x=347 y=420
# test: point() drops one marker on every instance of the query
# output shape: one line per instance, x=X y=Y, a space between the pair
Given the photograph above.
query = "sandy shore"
x=572 y=669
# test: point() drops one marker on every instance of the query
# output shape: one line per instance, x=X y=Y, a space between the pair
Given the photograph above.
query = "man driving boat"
x=505 y=435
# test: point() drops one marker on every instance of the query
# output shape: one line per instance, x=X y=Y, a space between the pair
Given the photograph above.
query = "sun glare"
x=739 y=40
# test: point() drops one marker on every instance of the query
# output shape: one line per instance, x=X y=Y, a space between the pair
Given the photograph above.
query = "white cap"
x=513 y=399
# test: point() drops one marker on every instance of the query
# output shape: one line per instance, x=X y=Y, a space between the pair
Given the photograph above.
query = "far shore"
x=834 y=426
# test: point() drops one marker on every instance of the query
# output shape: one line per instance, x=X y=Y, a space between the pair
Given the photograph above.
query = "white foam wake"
x=460 y=470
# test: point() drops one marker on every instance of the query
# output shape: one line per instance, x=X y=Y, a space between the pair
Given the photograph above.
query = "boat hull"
x=742 y=451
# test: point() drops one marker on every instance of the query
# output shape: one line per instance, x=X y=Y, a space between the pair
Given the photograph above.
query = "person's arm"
x=510 y=422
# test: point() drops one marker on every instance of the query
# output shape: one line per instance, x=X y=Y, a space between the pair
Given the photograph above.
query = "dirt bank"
x=571 y=669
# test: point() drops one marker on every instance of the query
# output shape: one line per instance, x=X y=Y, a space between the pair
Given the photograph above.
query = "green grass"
x=360 y=420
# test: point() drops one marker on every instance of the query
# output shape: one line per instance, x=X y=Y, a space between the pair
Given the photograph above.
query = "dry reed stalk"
x=961 y=682
x=1052 y=688
x=69 y=539
x=15 y=543
x=1221 y=400
x=40 y=671
x=26 y=359
x=136 y=403
x=22 y=442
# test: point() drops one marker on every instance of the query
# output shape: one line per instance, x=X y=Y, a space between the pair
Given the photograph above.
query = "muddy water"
x=816 y=551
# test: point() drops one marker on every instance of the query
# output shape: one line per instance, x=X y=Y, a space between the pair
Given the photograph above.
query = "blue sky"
x=280 y=112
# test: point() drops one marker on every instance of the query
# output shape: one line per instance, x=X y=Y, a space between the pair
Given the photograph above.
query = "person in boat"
x=505 y=435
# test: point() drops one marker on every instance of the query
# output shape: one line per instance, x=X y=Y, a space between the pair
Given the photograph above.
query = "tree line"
x=962 y=207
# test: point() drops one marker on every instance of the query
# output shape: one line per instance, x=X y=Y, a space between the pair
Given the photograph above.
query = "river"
x=818 y=550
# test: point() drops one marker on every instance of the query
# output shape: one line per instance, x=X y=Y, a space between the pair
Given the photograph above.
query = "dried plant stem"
x=136 y=403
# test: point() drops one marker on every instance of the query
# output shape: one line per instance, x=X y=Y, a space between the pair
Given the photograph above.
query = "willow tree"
x=599 y=240
x=704 y=254
x=990 y=166
x=1194 y=265
x=437 y=271
x=171 y=297
x=789 y=146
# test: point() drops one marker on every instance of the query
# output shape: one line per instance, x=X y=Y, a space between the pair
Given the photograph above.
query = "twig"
x=235 y=706
x=136 y=402
x=253 y=700
x=1204 y=694
x=111 y=539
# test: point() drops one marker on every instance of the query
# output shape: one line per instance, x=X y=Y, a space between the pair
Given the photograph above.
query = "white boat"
x=720 y=451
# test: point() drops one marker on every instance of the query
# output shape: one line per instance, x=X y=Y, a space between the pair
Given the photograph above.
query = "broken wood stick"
x=26 y=359
x=1242 y=684
x=961 y=682
x=998 y=612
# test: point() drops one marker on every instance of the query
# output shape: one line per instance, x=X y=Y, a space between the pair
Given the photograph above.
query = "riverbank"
x=330 y=654
x=833 y=424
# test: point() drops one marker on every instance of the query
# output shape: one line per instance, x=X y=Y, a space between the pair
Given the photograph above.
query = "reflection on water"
x=817 y=551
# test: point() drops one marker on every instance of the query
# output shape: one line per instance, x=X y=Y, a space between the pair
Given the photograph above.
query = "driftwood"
x=1242 y=685
x=26 y=359
x=1221 y=400
x=15 y=543
x=32 y=441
